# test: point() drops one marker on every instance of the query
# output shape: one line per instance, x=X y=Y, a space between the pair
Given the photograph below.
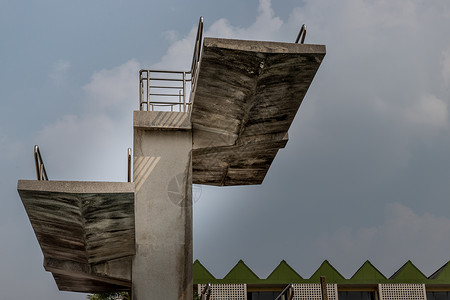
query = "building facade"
x=367 y=283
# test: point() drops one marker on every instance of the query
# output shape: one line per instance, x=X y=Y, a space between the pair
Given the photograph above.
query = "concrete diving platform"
x=244 y=101
x=111 y=236
x=86 y=231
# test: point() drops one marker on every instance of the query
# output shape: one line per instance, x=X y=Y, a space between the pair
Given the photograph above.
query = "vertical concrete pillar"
x=162 y=267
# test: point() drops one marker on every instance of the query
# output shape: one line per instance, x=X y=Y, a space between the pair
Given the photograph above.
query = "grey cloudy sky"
x=365 y=174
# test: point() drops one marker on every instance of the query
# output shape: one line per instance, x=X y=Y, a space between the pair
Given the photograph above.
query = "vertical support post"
x=162 y=169
x=129 y=164
x=141 y=89
x=323 y=286
x=148 y=90
x=184 y=91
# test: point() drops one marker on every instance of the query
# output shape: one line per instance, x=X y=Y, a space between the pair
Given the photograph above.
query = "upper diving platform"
x=245 y=99
x=242 y=97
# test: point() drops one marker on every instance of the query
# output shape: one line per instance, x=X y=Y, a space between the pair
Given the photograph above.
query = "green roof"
x=367 y=273
x=327 y=270
x=201 y=274
x=408 y=273
x=285 y=274
x=240 y=273
x=442 y=275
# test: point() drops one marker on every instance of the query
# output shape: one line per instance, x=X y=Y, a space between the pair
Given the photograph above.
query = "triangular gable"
x=408 y=273
x=201 y=274
x=241 y=273
x=367 y=273
x=330 y=273
x=442 y=275
x=283 y=273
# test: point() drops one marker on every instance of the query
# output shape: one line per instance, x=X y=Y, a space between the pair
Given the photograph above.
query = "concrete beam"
x=246 y=97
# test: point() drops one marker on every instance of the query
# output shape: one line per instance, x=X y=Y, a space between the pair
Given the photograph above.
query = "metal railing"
x=302 y=35
x=157 y=90
x=206 y=293
x=288 y=292
x=170 y=90
x=197 y=52
x=41 y=173
x=129 y=164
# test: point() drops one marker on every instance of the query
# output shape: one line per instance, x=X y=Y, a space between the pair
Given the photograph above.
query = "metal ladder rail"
x=288 y=292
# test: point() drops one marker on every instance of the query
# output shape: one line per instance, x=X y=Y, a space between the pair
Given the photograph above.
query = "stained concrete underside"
x=85 y=230
x=246 y=97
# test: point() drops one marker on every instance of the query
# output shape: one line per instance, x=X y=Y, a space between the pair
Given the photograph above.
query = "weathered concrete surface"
x=162 y=267
x=83 y=228
x=161 y=120
x=246 y=97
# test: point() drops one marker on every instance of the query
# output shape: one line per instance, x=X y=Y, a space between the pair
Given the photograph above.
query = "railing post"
x=148 y=90
x=140 y=90
x=301 y=34
x=36 y=162
x=41 y=173
x=184 y=91
x=129 y=164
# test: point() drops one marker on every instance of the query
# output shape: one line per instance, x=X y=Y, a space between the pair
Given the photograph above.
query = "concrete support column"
x=162 y=267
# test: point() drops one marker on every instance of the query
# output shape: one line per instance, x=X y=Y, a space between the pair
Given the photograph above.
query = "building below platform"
x=367 y=283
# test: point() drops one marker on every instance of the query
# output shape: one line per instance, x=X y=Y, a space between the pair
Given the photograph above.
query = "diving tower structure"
x=220 y=123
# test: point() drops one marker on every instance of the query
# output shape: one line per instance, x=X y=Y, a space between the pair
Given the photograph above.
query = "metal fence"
x=165 y=90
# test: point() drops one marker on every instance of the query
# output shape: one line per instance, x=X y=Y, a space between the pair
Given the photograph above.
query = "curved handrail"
x=41 y=173
x=206 y=292
x=129 y=164
x=301 y=34
x=197 y=53
x=288 y=291
x=198 y=45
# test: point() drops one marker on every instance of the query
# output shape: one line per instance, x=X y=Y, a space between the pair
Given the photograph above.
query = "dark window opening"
x=438 y=295
x=368 y=295
x=262 y=295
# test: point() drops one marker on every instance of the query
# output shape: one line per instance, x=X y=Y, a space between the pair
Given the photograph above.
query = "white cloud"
x=93 y=145
x=446 y=66
x=59 y=71
x=266 y=27
x=402 y=235
x=179 y=55
x=171 y=36
x=113 y=88
x=428 y=111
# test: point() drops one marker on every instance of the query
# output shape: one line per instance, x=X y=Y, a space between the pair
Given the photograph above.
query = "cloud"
x=59 y=71
x=93 y=144
x=267 y=26
x=114 y=88
x=446 y=66
x=429 y=111
x=402 y=235
x=171 y=36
